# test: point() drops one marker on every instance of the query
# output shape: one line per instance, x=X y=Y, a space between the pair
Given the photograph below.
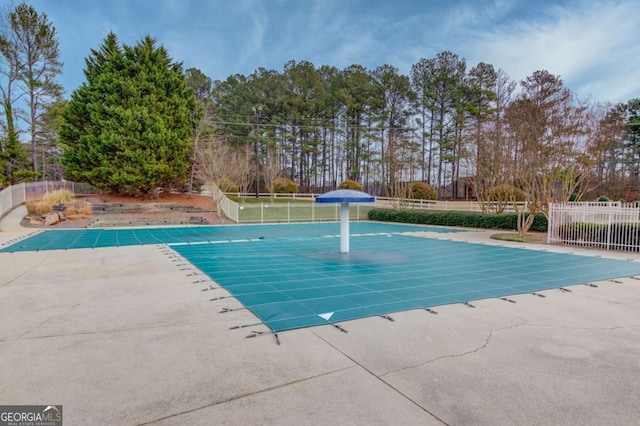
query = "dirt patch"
x=207 y=215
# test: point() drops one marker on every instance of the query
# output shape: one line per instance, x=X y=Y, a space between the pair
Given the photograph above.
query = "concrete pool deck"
x=125 y=336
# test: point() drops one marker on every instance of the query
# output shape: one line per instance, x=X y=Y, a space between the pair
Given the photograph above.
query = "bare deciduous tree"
x=271 y=170
x=549 y=129
x=240 y=174
x=213 y=163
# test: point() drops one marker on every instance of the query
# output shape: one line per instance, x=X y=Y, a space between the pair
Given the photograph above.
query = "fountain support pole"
x=344 y=227
x=344 y=197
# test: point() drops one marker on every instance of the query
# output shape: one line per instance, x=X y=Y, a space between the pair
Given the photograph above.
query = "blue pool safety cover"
x=292 y=284
x=93 y=238
x=292 y=276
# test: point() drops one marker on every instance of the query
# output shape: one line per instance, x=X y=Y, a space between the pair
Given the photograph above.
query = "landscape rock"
x=51 y=219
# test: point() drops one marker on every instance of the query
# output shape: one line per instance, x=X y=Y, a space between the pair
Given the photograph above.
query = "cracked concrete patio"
x=123 y=336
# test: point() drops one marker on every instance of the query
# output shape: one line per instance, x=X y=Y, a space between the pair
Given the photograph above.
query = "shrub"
x=24 y=175
x=456 y=218
x=227 y=185
x=603 y=199
x=284 y=186
x=422 y=191
x=351 y=184
x=78 y=208
x=61 y=196
x=574 y=197
x=38 y=207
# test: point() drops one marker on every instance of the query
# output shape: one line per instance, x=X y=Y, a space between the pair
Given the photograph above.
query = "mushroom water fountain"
x=344 y=197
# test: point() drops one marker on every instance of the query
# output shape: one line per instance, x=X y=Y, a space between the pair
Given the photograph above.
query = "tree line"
x=445 y=124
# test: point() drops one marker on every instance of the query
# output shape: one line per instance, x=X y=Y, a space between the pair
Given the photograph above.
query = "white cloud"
x=592 y=46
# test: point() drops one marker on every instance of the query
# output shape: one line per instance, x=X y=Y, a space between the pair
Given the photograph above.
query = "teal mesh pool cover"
x=93 y=238
x=298 y=284
x=293 y=276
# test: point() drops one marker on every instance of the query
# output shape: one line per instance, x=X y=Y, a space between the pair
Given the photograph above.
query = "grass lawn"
x=297 y=211
x=516 y=238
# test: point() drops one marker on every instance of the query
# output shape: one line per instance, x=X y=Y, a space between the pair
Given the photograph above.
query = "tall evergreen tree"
x=30 y=48
x=397 y=95
x=358 y=94
x=423 y=84
x=127 y=128
x=480 y=102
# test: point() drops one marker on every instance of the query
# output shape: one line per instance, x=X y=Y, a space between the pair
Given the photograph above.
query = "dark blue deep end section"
x=291 y=284
x=93 y=238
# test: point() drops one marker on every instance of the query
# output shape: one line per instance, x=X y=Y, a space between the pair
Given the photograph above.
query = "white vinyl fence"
x=610 y=226
x=15 y=195
x=306 y=210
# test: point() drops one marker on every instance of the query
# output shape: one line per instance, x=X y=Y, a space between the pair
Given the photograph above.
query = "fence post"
x=609 y=228
x=261 y=212
x=550 y=223
x=288 y=212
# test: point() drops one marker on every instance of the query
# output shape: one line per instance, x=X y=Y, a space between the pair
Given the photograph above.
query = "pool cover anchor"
x=339 y=327
x=538 y=294
x=262 y=333
x=469 y=305
x=591 y=285
x=236 y=327
x=616 y=281
x=506 y=299
x=210 y=288
x=387 y=317
x=225 y=310
x=564 y=290
x=219 y=298
x=431 y=311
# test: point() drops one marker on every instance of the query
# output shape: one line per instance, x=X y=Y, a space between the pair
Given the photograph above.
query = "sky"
x=594 y=46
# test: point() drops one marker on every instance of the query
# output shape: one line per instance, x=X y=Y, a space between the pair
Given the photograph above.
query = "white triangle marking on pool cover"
x=326 y=316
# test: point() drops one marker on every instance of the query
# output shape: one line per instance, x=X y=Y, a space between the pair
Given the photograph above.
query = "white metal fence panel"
x=288 y=212
x=6 y=200
x=224 y=204
x=610 y=226
x=15 y=195
x=248 y=212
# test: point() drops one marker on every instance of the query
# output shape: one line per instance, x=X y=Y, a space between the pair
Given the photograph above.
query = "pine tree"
x=127 y=128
